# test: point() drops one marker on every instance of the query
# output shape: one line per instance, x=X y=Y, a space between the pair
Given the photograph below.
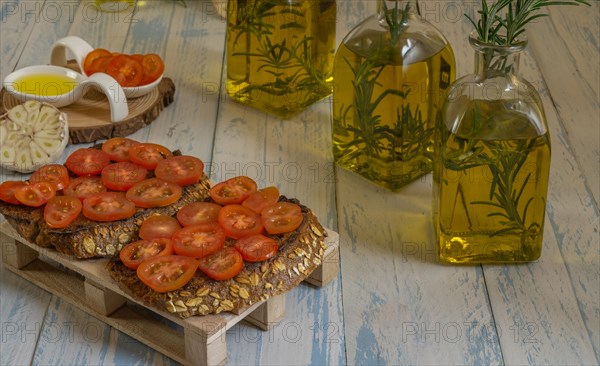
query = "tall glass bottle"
x=280 y=53
x=493 y=163
x=391 y=75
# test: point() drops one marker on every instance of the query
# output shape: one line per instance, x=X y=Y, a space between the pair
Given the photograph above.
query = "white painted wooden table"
x=392 y=303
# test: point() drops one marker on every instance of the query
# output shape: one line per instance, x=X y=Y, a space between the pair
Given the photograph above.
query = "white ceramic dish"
x=113 y=91
x=80 y=49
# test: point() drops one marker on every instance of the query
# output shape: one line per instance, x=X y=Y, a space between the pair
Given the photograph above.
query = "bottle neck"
x=494 y=60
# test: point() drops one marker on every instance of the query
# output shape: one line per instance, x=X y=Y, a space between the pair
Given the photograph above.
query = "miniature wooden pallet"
x=88 y=285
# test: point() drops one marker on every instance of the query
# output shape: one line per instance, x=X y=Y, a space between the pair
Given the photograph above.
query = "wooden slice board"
x=197 y=340
x=89 y=118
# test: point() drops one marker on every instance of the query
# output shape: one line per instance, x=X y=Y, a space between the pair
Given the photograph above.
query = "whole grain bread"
x=85 y=238
x=299 y=253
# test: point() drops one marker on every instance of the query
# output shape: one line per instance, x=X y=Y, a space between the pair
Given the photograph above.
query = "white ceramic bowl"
x=80 y=49
x=106 y=84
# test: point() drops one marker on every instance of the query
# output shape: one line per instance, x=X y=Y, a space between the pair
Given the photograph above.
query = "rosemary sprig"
x=504 y=20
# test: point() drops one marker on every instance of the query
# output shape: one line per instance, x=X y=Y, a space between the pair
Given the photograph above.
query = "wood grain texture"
x=566 y=46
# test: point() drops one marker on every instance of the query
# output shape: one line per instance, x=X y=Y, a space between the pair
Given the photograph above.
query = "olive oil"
x=385 y=103
x=48 y=85
x=492 y=184
x=280 y=53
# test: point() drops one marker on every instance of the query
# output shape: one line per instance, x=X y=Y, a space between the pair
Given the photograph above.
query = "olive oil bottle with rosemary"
x=493 y=161
x=280 y=53
x=391 y=74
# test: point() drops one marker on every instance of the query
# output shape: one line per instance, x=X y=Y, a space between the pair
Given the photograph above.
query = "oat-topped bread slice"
x=299 y=253
x=85 y=238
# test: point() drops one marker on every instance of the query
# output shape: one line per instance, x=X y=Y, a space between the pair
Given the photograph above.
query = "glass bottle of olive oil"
x=391 y=76
x=280 y=53
x=492 y=167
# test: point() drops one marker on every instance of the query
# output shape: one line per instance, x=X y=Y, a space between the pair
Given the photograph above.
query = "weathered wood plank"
x=400 y=305
x=295 y=156
x=22 y=311
x=17 y=20
x=566 y=46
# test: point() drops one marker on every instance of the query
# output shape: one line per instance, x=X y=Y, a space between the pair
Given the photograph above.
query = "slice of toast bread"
x=85 y=238
x=299 y=253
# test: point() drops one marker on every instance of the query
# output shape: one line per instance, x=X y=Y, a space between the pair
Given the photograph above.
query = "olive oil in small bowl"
x=50 y=85
x=60 y=87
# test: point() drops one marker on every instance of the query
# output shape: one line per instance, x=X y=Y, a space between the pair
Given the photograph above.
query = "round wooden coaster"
x=89 y=117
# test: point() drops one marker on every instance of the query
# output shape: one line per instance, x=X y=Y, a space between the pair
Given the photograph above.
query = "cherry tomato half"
x=148 y=154
x=108 y=206
x=7 y=191
x=154 y=192
x=183 y=170
x=159 y=226
x=117 y=148
x=222 y=265
x=91 y=57
x=256 y=248
x=87 y=161
x=35 y=194
x=153 y=68
x=125 y=70
x=133 y=254
x=234 y=190
x=282 y=217
x=83 y=187
x=198 y=213
x=239 y=221
x=261 y=199
x=100 y=64
x=122 y=176
x=199 y=240
x=60 y=211
x=55 y=174
x=167 y=273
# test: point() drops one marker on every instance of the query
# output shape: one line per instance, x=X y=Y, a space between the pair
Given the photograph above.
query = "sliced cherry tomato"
x=167 y=273
x=35 y=194
x=256 y=248
x=91 y=57
x=199 y=240
x=222 y=265
x=239 y=221
x=138 y=57
x=154 y=192
x=153 y=68
x=83 y=187
x=198 y=213
x=159 y=226
x=108 y=206
x=282 y=217
x=87 y=161
x=261 y=199
x=7 y=191
x=100 y=64
x=183 y=170
x=234 y=190
x=125 y=70
x=117 y=148
x=55 y=174
x=60 y=211
x=122 y=176
x=133 y=254
x=148 y=154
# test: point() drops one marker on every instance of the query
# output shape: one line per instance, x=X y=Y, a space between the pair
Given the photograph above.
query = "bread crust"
x=300 y=252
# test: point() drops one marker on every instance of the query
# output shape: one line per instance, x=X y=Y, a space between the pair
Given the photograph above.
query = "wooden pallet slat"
x=201 y=340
